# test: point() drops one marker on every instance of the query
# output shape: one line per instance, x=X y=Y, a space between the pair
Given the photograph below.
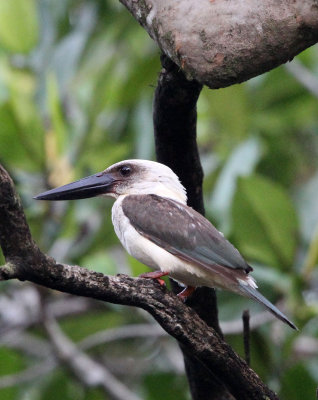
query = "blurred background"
x=77 y=80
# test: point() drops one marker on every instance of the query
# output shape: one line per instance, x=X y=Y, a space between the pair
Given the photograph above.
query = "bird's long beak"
x=90 y=186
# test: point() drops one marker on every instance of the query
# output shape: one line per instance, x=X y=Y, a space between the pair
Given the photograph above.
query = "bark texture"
x=175 y=117
x=175 y=128
x=214 y=41
x=25 y=261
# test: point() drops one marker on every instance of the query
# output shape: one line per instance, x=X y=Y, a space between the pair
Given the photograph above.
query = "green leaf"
x=18 y=25
x=100 y=262
x=137 y=267
x=55 y=109
x=229 y=120
x=2 y=260
x=264 y=221
x=298 y=383
x=78 y=327
x=61 y=385
x=21 y=134
x=165 y=386
x=94 y=394
x=11 y=363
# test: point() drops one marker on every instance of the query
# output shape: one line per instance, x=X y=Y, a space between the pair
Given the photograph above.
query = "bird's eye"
x=124 y=170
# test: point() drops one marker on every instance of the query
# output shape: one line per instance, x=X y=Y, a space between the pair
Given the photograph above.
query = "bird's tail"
x=251 y=292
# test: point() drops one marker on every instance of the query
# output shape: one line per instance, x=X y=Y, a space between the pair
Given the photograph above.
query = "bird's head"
x=120 y=179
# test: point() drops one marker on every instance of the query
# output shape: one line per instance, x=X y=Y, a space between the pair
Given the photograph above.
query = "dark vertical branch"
x=175 y=119
x=246 y=336
x=175 y=123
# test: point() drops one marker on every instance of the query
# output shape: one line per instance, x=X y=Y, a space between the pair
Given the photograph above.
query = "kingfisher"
x=154 y=224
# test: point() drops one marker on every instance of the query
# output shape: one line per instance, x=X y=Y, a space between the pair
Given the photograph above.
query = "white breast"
x=133 y=242
x=156 y=257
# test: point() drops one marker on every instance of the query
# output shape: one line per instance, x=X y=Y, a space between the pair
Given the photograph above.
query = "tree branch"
x=175 y=117
x=175 y=128
x=215 y=41
x=27 y=262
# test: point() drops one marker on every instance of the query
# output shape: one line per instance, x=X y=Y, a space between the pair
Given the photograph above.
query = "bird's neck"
x=159 y=190
x=170 y=193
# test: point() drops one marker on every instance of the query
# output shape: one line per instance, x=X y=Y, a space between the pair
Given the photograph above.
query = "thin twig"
x=20 y=310
x=29 y=374
x=89 y=372
x=235 y=327
x=150 y=330
x=246 y=335
x=125 y=332
x=30 y=345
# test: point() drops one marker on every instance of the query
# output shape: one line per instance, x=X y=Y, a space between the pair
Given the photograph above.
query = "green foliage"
x=270 y=235
x=76 y=88
x=63 y=386
x=11 y=363
x=165 y=386
x=22 y=15
x=298 y=383
x=91 y=323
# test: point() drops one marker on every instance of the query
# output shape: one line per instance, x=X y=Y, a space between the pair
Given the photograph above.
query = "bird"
x=155 y=225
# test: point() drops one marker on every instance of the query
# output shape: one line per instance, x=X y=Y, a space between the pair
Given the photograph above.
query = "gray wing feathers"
x=181 y=231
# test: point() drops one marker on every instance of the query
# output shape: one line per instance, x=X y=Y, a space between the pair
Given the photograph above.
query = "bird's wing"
x=181 y=231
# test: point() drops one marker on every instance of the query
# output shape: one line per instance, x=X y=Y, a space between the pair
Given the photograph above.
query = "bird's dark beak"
x=90 y=186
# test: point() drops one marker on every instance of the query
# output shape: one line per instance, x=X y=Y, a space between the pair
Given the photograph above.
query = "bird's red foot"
x=155 y=275
x=186 y=292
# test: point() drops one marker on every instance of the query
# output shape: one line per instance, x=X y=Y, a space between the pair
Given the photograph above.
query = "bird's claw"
x=186 y=292
x=155 y=275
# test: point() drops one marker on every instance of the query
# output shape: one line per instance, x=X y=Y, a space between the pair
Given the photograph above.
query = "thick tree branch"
x=175 y=120
x=175 y=117
x=215 y=41
x=26 y=262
